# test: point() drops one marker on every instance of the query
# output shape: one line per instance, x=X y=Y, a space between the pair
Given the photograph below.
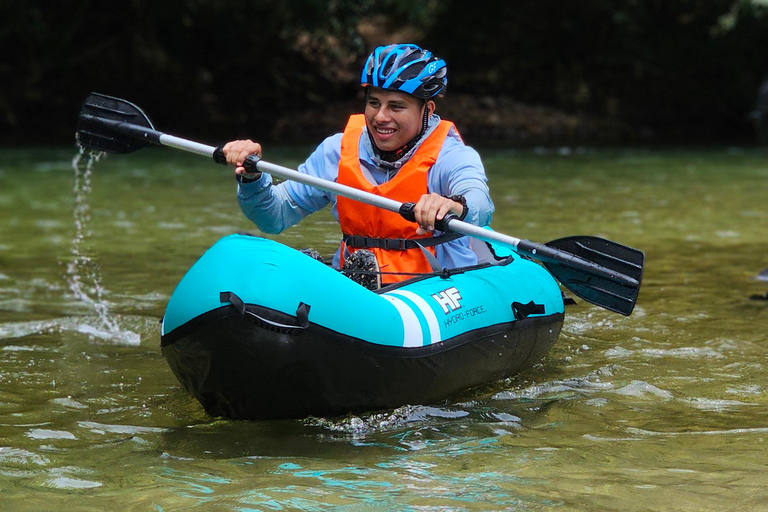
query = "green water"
x=664 y=410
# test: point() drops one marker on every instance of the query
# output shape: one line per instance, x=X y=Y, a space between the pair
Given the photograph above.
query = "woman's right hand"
x=237 y=151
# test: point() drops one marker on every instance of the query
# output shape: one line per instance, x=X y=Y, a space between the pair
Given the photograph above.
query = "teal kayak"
x=258 y=330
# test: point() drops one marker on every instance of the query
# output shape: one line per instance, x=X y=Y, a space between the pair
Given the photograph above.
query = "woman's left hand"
x=433 y=207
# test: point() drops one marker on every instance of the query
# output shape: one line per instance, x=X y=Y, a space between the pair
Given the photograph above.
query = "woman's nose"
x=382 y=114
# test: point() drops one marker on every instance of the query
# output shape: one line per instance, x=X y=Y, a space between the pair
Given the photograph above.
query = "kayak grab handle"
x=302 y=314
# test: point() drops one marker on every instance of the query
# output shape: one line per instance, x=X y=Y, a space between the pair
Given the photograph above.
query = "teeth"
x=385 y=131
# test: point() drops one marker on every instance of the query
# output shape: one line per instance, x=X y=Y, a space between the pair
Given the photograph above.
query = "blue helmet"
x=405 y=68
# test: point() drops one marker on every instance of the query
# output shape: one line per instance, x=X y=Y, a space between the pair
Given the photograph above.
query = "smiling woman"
x=399 y=149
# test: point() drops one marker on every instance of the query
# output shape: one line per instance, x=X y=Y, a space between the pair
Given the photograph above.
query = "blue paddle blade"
x=612 y=294
x=100 y=119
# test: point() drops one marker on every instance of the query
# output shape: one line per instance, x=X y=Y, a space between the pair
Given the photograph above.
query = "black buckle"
x=389 y=244
x=357 y=242
x=397 y=244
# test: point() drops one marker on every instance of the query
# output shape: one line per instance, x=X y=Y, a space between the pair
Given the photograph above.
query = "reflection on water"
x=663 y=410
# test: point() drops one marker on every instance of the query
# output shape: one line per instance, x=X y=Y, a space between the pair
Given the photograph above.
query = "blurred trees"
x=189 y=63
x=681 y=68
x=218 y=69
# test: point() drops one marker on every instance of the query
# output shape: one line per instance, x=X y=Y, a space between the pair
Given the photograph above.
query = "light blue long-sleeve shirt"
x=457 y=171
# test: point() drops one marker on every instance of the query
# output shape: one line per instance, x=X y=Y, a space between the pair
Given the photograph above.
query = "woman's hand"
x=431 y=208
x=237 y=151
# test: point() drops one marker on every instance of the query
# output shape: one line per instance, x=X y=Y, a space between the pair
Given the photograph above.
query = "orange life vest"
x=369 y=221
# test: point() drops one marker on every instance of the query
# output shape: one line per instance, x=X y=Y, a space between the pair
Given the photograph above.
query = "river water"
x=663 y=410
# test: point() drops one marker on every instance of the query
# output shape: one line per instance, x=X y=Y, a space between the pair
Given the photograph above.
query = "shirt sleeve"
x=459 y=171
x=273 y=208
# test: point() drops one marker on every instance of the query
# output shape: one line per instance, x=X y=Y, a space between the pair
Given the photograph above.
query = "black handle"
x=442 y=224
x=406 y=212
x=302 y=321
x=218 y=155
x=302 y=313
x=250 y=164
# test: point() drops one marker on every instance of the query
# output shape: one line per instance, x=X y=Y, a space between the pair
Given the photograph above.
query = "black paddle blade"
x=611 y=294
x=99 y=122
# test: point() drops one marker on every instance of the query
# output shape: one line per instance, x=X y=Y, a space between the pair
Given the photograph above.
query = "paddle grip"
x=406 y=212
x=218 y=155
x=250 y=164
x=442 y=224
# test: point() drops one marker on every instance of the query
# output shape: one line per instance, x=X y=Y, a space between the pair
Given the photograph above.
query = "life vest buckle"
x=397 y=244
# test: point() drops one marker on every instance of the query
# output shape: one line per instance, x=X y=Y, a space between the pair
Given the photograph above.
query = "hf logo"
x=448 y=299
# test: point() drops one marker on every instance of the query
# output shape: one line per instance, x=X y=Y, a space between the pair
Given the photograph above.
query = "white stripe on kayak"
x=429 y=314
x=411 y=325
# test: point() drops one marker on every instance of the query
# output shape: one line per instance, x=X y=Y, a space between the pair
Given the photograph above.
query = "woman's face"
x=394 y=118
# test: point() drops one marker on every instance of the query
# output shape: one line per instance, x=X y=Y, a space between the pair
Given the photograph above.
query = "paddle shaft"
x=254 y=164
x=449 y=223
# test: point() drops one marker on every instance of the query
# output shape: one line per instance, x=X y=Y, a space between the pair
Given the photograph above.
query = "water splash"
x=83 y=275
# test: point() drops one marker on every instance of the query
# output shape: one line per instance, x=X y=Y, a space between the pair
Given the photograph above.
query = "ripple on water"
x=683 y=352
x=357 y=428
x=90 y=326
x=172 y=225
x=575 y=386
x=117 y=336
x=124 y=224
x=364 y=424
x=60 y=479
x=716 y=405
x=102 y=428
x=41 y=433
x=48 y=224
x=68 y=403
x=19 y=456
x=639 y=389
x=17 y=305
x=746 y=390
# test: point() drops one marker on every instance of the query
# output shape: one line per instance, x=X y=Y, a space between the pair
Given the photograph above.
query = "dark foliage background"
x=287 y=70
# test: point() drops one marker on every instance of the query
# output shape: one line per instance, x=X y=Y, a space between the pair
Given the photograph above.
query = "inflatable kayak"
x=258 y=330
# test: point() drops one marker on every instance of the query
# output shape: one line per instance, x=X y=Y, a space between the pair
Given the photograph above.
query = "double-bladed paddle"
x=599 y=271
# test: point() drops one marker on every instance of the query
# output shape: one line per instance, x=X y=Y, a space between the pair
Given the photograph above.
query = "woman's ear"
x=431 y=107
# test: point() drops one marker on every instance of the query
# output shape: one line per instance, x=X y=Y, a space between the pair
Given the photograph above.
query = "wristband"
x=463 y=201
x=242 y=179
